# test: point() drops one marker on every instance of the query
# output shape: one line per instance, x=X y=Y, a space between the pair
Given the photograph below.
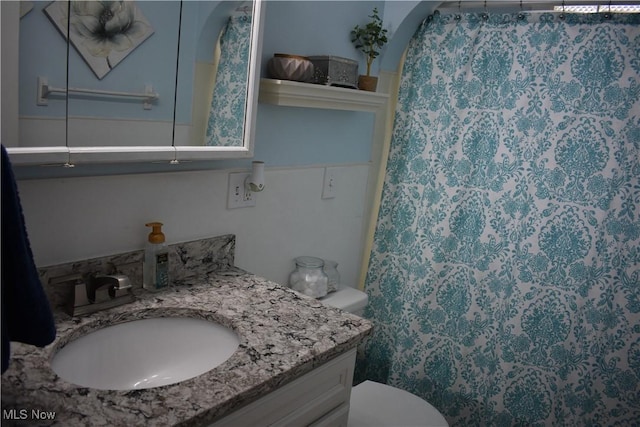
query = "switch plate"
x=238 y=196
x=329 y=184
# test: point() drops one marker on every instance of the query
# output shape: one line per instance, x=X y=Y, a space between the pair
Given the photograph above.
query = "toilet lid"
x=347 y=299
x=375 y=404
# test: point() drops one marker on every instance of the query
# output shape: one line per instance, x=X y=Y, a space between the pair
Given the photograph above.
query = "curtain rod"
x=528 y=4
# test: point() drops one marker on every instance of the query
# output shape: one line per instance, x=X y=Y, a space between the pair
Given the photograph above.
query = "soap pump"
x=155 y=274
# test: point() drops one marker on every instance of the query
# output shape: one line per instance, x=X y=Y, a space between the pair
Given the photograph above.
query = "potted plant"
x=369 y=40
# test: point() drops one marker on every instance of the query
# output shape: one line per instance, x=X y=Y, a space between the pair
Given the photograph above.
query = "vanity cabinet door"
x=339 y=417
x=320 y=397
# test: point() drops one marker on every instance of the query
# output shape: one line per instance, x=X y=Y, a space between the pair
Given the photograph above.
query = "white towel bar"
x=44 y=90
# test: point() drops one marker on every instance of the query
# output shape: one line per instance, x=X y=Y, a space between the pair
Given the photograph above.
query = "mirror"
x=171 y=81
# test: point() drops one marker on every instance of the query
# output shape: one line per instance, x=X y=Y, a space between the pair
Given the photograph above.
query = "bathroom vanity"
x=294 y=364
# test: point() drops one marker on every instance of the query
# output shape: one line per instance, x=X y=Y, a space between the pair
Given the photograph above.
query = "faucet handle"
x=120 y=281
x=122 y=286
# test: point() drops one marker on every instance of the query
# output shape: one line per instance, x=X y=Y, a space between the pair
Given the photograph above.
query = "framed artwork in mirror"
x=103 y=33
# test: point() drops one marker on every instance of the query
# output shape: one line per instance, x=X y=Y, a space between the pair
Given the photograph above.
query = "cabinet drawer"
x=339 y=417
x=303 y=401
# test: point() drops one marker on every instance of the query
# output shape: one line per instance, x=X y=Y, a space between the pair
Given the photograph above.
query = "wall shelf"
x=295 y=94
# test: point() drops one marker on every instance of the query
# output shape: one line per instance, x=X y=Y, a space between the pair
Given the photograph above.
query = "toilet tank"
x=347 y=299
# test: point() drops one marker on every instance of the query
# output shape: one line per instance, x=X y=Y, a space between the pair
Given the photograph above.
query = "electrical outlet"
x=238 y=196
x=329 y=185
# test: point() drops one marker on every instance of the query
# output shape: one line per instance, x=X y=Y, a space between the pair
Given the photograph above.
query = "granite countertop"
x=283 y=335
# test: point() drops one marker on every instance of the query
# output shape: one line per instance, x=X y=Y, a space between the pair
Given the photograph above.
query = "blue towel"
x=26 y=313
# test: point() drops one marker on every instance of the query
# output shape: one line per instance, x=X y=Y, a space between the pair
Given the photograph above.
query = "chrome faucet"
x=93 y=292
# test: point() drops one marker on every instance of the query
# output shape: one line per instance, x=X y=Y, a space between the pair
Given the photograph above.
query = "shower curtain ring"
x=521 y=14
x=608 y=14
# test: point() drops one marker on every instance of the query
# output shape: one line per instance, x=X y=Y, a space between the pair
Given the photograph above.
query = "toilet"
x=379 y=405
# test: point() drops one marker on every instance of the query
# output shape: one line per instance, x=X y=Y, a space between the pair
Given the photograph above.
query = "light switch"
x=329 y=185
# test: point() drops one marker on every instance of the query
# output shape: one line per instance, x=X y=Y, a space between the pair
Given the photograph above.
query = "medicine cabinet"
x=132 y=81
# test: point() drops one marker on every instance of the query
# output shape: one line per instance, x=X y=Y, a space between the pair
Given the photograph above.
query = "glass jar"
x=331 y=270
x=308 y=278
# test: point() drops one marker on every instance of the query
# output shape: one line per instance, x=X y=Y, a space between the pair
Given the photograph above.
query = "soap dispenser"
x=155 y=274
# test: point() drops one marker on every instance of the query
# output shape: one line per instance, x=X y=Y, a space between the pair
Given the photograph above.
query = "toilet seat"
x=376 y=405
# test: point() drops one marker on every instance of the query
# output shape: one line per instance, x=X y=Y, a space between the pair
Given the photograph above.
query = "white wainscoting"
x=76 y=218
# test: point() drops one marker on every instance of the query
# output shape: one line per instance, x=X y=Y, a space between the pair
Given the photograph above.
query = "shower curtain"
x=504 y=279
x=225 y=126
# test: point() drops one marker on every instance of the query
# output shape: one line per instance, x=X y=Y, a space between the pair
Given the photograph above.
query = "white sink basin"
x=145 y=353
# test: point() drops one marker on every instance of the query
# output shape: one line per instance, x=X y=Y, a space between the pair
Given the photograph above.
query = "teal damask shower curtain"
x=504 y=280
x=225 y=125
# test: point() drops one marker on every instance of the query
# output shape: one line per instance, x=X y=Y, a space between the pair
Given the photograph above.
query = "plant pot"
x=368 y=83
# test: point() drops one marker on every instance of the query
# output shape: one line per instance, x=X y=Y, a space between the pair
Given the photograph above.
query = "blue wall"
x=299 y=136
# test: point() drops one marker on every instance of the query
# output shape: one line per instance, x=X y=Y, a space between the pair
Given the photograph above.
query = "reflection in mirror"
x=42 y=53
x=111 y=84
x=150 y=98
x=125 y=48
x=214 y=110
x=229 y=94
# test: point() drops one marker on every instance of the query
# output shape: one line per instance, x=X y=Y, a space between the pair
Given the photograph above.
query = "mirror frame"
x=69 y=156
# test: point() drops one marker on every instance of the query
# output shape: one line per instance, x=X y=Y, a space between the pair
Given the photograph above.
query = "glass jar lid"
x=309 y=262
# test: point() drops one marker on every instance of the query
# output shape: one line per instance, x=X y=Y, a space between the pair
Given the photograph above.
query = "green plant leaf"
x=371 y=38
